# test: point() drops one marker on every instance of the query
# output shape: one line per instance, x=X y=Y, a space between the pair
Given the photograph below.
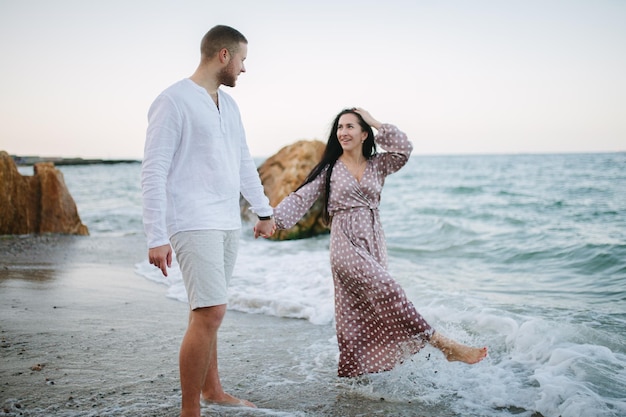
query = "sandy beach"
x=83 y=335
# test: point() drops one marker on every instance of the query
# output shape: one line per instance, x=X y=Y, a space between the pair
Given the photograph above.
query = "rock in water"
x=40 y=203
x=281 y=174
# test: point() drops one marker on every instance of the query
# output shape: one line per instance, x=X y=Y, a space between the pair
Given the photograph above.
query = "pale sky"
x=459 y=77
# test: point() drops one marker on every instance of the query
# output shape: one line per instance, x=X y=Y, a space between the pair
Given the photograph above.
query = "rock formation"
x=40 y=203
x=283 y=173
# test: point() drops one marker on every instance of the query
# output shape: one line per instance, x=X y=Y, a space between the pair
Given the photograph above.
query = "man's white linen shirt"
x=196 y=163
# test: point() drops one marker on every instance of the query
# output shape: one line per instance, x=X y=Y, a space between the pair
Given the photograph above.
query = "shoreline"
x=83 y=335
x=23 y=161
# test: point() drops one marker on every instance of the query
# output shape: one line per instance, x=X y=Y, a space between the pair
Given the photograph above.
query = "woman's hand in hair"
x=367 y=117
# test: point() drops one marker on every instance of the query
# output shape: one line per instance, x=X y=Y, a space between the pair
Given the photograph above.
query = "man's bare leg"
x=196 y=353
x=212 y=391
x=455 y=351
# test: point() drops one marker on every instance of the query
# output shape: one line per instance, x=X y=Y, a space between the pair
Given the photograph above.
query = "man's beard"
x=227 y=76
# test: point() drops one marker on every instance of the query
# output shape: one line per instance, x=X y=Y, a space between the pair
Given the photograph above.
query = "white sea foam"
x=525 y=373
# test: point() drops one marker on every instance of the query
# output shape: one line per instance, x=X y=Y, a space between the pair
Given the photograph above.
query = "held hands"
x=264 y=228
x=161 y=257
x=367 y=117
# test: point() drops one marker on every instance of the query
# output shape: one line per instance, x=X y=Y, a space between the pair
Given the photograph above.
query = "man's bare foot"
x=227 y=400
x=455 y=351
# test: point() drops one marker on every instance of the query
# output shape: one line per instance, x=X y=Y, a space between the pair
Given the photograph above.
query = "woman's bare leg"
x=455 y=351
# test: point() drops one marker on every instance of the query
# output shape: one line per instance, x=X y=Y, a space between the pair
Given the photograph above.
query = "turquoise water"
x=523 y=253
x=550 y=229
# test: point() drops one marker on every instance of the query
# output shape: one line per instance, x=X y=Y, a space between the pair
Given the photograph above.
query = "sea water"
x=525 y=254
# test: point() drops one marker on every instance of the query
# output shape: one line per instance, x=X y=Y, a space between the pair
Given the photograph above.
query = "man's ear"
x=224 y=55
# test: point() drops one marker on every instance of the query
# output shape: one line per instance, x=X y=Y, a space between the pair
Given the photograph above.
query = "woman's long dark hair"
x=333 y=151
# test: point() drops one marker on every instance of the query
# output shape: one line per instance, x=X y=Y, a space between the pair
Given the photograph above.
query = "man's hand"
x=264 y=228
x=161 y=257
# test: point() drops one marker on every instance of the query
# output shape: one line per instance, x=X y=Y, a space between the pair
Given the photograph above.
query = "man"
x=196 y=163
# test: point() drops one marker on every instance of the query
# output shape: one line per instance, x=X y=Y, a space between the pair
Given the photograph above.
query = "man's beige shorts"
x=206 y=259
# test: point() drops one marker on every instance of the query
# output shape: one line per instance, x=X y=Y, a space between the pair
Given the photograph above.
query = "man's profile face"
x=228 y=75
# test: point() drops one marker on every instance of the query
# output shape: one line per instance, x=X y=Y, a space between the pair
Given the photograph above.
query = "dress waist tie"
x=374 y=216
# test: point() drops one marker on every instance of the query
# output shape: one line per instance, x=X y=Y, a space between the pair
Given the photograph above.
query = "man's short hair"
x=220 y=37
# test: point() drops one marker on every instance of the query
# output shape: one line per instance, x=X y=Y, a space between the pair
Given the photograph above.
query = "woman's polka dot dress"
x=377 y=326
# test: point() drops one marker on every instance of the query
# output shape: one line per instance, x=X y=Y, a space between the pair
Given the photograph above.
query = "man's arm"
x=161 y=143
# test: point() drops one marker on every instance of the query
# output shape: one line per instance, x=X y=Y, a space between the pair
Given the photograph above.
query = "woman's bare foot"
x=227 y=400
x=455 y=351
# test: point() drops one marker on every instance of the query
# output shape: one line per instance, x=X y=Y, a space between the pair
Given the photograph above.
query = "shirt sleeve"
x=397 y=146
x=295 y=205
x=250 y=186
x=162 y=140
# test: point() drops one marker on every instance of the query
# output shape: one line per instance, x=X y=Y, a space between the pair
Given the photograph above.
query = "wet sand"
x=81 y=334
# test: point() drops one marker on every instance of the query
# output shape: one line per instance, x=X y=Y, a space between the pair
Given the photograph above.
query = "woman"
x=377 y=326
